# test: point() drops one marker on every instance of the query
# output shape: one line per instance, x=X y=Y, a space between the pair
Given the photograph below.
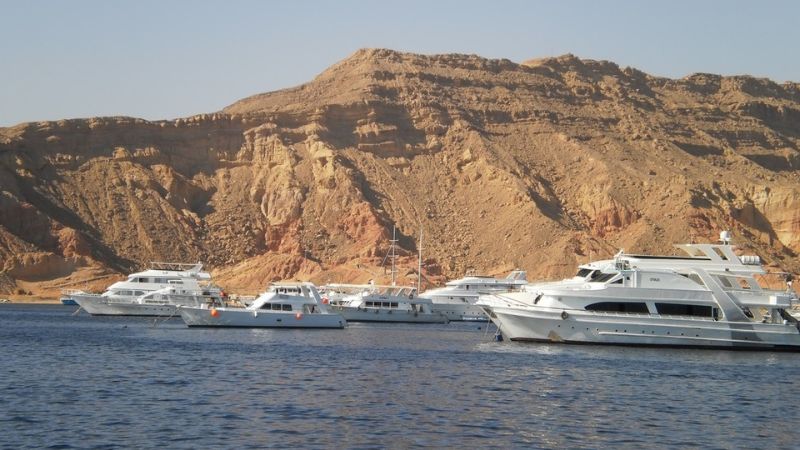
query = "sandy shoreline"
x=31 y=300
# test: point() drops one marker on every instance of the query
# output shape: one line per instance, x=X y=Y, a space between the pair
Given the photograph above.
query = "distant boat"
x=374 y=303
x=284 y=305
x=457 y=299
x=66 y=297
x=154 y=292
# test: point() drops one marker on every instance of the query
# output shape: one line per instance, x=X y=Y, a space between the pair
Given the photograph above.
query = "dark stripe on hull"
x=135 y=315
x=754 y=347
x=263 y=326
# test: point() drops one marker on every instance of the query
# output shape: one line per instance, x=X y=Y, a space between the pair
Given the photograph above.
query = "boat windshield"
x=583 y=272
x=603 y=277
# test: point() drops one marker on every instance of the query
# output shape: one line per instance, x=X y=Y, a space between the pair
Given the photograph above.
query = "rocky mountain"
x=539 y=165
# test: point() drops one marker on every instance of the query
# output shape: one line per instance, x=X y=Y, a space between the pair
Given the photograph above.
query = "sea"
x=70 y=380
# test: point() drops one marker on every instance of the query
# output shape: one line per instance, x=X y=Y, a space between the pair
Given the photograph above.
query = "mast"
x=393 y=255
x=419 y=262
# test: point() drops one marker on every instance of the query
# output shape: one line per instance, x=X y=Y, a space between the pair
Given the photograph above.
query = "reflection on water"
x=78 y=381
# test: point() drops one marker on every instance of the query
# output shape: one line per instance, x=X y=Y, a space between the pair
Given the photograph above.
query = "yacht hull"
x=97 y=305
x=582 y=327
x=238 y=317
x=460 y=312
x=385 y=315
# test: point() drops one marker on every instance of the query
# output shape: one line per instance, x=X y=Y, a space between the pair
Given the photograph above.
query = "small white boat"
x=154 y=292
x=66 y=296
x=294 y=305
x=457 y=299
x=375 y=303
x=711 y=298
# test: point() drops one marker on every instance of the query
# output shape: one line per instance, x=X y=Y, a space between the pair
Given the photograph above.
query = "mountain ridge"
x=538 y=165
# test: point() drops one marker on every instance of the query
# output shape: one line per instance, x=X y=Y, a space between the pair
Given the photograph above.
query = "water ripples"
x=91 y=382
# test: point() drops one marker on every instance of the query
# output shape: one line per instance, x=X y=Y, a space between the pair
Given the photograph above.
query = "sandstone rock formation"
x=538 y=165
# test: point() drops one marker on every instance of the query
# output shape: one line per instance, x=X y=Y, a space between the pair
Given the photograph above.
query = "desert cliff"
x=539 y=165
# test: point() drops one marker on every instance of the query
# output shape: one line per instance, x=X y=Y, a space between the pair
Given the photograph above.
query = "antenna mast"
x=393 y=255
x=419 y=262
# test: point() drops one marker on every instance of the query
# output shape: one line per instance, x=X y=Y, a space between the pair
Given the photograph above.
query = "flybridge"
x=719 y=257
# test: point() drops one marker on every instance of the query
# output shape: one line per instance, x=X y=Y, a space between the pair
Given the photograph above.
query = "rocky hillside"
x=539 y=165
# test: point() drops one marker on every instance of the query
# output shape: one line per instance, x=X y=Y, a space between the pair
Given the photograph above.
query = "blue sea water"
x=75 y=381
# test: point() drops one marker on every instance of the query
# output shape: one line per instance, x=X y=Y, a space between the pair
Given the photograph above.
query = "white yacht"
x=456 y=300
x=375 y=303
x=153 y=292
x=709 y=299
x=295 y=305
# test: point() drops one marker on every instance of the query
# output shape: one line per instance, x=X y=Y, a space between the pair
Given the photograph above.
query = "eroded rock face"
x=537 y=165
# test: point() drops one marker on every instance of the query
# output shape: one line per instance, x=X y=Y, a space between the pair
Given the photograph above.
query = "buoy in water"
x=298 y=316
x=214 y=312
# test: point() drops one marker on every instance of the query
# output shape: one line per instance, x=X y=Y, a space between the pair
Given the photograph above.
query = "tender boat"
x=66 y=297
x=296 y=305
x=710 y=298
x=457 y=299
x=154 y=292
x=375 y=303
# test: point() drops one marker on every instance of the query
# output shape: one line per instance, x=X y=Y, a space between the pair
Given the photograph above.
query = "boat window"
x=678 y=309
x=286 y=307
x=175 y=282
x=123 y=293
x=394 y=304
x=386 y=304
x=623 y=307
x=617 y=281
x=600 y=277
x=138 y=293
x=266 y=306
x=160 y=280
x=583 y=272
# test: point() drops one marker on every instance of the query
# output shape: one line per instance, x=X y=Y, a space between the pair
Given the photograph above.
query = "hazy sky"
x=171 y=58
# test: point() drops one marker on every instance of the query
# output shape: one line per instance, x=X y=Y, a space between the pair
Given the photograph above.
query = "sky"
x=164 y=59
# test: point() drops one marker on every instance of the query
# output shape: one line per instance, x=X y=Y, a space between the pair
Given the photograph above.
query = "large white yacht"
x=283 y=305
x=376 y=303
x=153 y=292
x=711 y=298
x=456 y=300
